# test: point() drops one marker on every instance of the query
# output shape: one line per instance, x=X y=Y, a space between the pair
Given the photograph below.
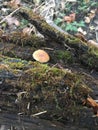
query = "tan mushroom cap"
x=41 y=56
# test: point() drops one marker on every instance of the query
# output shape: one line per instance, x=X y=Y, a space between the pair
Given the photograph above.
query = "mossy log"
x=19 y=38
x=31 y=87
x=16 y=46
x=87 y=54
x=13 y=121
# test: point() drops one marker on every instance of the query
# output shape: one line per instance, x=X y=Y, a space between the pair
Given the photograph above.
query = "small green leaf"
x=24 y=22
x=94 y=3
x=81 y=24
x=61 y=14
x=69 y=27
x=63 y=26
x=83 y=7
x=74 y=28
x=58 y=21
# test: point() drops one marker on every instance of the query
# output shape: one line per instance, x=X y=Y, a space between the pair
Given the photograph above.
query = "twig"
x=39 y=6
x=9 y=15
x=37 y=114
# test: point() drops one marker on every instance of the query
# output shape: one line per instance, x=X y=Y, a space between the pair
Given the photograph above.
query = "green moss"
x=23 y=40
x=9 y=53
x=30 y=13
x=90 y=62
x=43 y=74
x=15 y=63
x=46 y=26
x=53 y=89
x=66 y=56
x=52 y=78
x=93 y=50
x=75 y=40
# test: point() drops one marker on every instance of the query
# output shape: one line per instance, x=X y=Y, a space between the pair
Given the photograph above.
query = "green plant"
x=74 y=26
x=24 y=23
x=80 y=8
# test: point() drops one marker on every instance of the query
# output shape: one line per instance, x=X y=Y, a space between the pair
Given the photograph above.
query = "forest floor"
x=10 y=22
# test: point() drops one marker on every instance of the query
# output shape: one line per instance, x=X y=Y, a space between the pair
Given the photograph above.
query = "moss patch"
x=60 y=92
x=57 y=91
x=64 y=55
x=14 y=63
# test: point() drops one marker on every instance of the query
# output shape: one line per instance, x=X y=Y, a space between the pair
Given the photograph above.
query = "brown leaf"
x=87 y=20
x=27 y=31
x=70 y=18
x=13 y=3
x=92 y=14
x=92 y=42
x=12 y=20
x=67 y=19
x=80 y=36
x=1 y=32
x=92 y=103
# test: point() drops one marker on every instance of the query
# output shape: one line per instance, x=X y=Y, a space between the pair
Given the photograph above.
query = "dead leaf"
x=81 y=36
x=70 y=18
x=12 y=20
x=1 y=32
x=82 y=31
x=27 y=31
x=87 y=20
x=13 y=3
x=93 y=104
x=91 y=15
x=87 y=1
x=67 y=19
x=91 y=42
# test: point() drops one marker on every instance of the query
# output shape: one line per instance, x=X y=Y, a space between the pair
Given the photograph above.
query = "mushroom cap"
x=41 y=56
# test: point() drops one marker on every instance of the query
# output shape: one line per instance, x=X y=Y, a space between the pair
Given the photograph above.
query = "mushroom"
x=41 y=56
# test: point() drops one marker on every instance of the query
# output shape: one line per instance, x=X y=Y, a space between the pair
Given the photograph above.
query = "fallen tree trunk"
x=20 y=48
x=35 y=89
x=24 y=48
x=31 y=87
x=87 y=54
x=10 y=121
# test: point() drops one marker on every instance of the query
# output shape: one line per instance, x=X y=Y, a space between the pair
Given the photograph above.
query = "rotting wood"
x=86 y=54
x=17 y=37
x=57 y=91
x=13 y=49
